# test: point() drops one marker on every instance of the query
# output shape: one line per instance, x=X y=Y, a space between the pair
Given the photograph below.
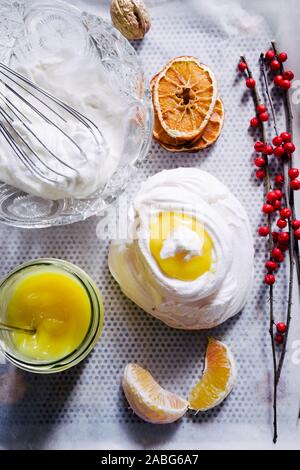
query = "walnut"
x=130 y=17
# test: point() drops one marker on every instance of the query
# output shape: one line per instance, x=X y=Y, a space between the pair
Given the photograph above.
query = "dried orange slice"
x=217 y=380
x=148 y=399
x=185 y=94
x=158 y=131
x=209 y=136
x=213 y=128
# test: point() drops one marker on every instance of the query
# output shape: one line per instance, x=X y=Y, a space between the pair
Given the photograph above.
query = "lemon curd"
x=56 y=305
x=182 y=265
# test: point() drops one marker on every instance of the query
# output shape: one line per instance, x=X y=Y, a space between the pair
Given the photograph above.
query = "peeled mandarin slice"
x=185 y=94
x=148 y=399
x=217 y=380
x=209 y=136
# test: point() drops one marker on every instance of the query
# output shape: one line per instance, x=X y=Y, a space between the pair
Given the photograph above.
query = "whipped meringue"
x=83 y=83
x=201 y=284
x=182 y=239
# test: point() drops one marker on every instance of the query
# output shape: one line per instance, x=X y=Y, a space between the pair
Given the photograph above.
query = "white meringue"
x=216 y=295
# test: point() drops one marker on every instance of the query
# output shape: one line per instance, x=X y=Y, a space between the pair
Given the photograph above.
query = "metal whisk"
x=37 y=100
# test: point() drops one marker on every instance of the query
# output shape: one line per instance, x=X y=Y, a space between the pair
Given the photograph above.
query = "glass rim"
x=94 y=329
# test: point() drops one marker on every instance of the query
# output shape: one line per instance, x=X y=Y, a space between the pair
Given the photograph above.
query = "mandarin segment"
x=217 y=379
x=148 y=399
x=185 y=94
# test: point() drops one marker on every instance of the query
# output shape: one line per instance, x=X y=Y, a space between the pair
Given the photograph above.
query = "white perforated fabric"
x=84 y=407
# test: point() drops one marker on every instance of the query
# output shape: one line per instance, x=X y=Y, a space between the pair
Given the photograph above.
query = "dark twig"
x=263 y=72
x=293 y=244
x=257 y=101
x=289 y=128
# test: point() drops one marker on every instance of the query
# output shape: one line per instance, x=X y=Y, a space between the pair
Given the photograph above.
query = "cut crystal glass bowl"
x=53 y=22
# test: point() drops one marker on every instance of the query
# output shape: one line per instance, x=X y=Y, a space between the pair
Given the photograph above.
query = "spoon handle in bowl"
x=11 y=328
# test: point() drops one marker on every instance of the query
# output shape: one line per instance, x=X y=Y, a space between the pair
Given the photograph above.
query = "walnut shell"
x=130 y=17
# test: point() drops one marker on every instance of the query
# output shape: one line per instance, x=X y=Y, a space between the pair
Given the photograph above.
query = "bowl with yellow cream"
x=61 y=304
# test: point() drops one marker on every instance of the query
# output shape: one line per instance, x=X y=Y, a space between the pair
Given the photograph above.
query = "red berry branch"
x=291 y=183
x=272 y=203
x=280 y=192
x=288 y=76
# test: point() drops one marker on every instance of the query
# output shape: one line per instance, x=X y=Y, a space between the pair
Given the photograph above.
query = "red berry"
x=279 y=338
x=263 y=117
x=263 y=231
x=293 y=173
x=259 y=146
x=281 y=223
x=259 y=161
x=242 y=66
x=297 y=234
x=250 y=83
x=289 y=147
x=285 y=213
x=288 y=75
x=285 y=84
x=275 y=236
x=277 y=254
x=281 y=327
x=254 y=122
x=295 y=184
x=277 y=80
x=270 y=54
x=261 y=108
x=268 y=149
x=295 y=224
x=286 y=136
x=282 y=57
x=283 y=246
x=283 y=237
x=278 y=152
x=275 y=65
x=271 y=196
x=278 y=193
x=260 y=174
x=279 y=179
x=276 y=204
x=277 y=141
x=270 y=279
x=271 y=265
x=267 y=208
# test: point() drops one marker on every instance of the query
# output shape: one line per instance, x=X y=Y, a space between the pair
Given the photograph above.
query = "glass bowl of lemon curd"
x=59 y=305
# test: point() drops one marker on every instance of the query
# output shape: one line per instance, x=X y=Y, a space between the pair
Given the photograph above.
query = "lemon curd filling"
x=185 y=262
x=57 y=306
